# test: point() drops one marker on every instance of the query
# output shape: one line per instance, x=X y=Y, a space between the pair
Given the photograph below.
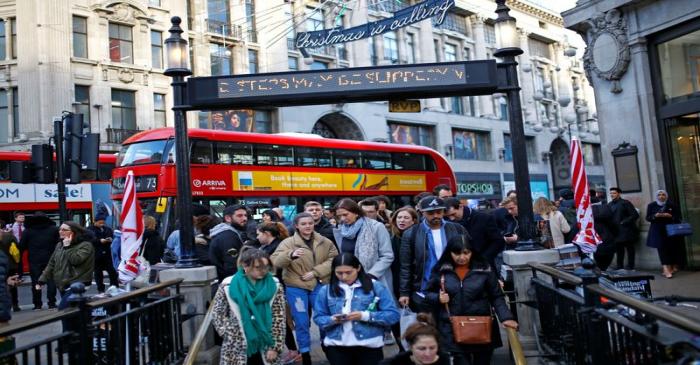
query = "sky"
x=556 y=5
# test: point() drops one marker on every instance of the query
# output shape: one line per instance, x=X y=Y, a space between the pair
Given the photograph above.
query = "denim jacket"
x=385 y=315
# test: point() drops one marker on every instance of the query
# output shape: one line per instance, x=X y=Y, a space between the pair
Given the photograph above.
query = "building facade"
x=642 y=58
x=106 y=59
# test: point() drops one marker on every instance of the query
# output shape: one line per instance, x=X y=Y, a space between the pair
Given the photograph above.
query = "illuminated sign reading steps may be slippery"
x=344 y=85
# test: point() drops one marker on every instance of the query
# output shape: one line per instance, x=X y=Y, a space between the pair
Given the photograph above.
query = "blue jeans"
x=300 y=302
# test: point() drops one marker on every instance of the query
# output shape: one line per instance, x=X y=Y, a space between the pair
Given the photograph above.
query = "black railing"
x=581 y=322
x=117 y=135
x=143 y=325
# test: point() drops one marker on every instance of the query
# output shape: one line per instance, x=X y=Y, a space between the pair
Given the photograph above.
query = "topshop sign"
x=410 y=15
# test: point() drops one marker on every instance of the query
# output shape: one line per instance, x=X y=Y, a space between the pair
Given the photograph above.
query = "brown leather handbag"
x=469 y=330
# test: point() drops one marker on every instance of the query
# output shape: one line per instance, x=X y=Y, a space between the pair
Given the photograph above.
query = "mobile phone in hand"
x=341 y=317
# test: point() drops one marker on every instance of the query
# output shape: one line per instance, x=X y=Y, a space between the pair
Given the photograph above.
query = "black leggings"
x=353 y=355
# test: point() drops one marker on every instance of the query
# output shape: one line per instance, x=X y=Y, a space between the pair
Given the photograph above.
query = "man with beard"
x=321 y=224
x=227 y=238
x=422 y=246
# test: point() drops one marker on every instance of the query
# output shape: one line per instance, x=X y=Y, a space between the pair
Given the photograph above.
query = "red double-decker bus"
x=270 y=170
x=81 y=199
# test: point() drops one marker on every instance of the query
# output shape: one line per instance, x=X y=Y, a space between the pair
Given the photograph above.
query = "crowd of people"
x=350 y=269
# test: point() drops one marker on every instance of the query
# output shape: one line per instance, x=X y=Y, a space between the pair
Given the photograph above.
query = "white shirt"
x=437 y=241
x=348 y=337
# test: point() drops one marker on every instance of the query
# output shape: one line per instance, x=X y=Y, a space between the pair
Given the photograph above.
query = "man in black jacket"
x=227 y=238
x=422 y=246
x=485 y=237
x=102 y=241
x=605 y=228
x=625 y=217
x=321 y=224
x=40 y=239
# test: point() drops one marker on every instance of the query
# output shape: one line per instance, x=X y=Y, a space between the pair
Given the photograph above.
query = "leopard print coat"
x=226 y=320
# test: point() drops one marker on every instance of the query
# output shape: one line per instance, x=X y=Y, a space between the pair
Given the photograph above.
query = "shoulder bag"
x=468 y=330
x=679 y=229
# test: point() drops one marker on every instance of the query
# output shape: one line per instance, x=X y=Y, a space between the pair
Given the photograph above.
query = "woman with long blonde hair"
x=557 y=222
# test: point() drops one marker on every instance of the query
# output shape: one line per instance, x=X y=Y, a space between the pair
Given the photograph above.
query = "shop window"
x=679 y=61
x=471 y=145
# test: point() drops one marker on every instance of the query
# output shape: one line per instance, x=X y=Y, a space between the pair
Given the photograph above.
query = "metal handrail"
x=675 y=319
x=199 y=337
x=555 y=273
x=135 y=293
x=38 y=322
x=516 y=347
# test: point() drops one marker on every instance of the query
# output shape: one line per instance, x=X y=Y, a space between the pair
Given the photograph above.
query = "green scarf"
x=253 y=299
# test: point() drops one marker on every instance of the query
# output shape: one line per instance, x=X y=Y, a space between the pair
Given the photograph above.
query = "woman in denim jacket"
x=354 y=311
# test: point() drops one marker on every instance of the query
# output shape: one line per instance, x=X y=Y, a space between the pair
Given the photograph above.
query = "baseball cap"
x=430 y=203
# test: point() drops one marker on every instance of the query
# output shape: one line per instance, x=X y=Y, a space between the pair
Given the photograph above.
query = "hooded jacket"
x=317 y=258
x=224 y=237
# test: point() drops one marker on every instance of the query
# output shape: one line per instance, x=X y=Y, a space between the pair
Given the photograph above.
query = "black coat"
x=324 y=228
x=486 y=238
x=154 y=246
x=414 y=244
x=404 y=358
x=605 y=227
x=505 y=222
x=625 y=217
x=39 y=239
x=476 y=295
x=657 y=236
x=5 y=305
x=223 y=240
x=103 y=251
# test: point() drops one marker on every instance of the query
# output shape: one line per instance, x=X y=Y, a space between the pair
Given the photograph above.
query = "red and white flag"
x=586 y=237
x=132 y=232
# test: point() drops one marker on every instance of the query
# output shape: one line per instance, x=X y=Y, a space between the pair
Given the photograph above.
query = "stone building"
x=642 y=59
x=105 y=59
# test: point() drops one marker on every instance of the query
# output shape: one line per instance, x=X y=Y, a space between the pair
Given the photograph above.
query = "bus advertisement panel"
x=268 y=170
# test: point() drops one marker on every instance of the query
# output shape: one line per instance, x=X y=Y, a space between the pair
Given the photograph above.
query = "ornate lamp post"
x=508 y=43
x=177 y=53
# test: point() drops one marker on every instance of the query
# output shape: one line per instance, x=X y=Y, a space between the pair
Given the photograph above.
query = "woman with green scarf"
x=249 y=313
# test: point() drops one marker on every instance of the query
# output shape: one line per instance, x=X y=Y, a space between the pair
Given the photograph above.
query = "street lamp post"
x=177 y=53
x=507 y=51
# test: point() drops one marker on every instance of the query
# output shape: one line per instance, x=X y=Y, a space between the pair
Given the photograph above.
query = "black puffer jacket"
x=483 y=230
x=414 y=244
x=474 y=296
x=40 y=239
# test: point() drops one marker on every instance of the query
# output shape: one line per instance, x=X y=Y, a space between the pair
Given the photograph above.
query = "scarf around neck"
x=253 y=299
x=350 y=231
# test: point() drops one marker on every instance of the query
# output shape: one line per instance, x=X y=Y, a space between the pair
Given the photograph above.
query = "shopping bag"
x=407 y=319
x=679 y=229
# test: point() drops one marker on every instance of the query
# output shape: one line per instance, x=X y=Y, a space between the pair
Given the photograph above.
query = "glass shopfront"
x=675 y=59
